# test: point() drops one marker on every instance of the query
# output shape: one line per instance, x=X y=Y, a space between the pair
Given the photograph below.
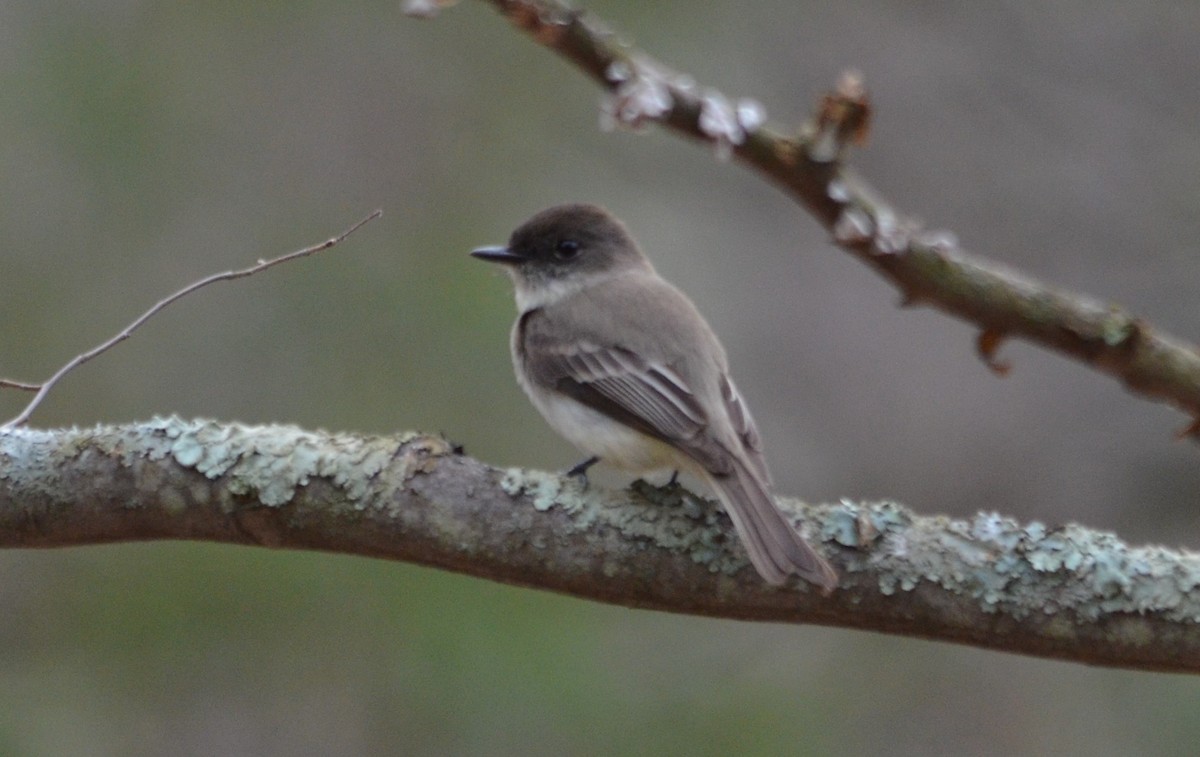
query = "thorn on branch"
x=911 y=299
x=987 y=344
x=1190 y=431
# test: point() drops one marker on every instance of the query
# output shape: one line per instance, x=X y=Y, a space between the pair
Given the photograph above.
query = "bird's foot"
x=579 y=470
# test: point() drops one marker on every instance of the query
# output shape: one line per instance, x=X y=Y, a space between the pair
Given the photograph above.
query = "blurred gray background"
x=144 y=145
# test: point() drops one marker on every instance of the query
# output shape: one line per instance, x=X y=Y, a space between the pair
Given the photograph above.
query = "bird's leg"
x=674 y=479
x=579 y=470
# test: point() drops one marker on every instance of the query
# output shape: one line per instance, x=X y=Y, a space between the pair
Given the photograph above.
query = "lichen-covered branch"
x=1064 y=592
x=928 y=267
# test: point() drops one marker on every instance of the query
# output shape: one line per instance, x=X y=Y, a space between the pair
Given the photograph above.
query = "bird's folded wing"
x=650 y=397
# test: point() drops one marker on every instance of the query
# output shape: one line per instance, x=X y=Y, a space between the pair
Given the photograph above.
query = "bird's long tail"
x=776 y=548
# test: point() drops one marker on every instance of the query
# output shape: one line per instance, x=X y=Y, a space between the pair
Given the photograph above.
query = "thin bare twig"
x=19 y=386
x=927 y=267
x=44 y=388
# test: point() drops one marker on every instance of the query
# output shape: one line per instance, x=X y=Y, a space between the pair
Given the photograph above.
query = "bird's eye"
x=566 y=249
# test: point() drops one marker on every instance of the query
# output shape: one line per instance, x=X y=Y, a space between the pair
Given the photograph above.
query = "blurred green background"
x=144 y=145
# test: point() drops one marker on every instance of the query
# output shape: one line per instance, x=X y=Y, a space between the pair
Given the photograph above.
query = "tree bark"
x=1064 y=592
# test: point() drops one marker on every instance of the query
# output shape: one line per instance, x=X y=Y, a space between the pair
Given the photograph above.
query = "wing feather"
x=650 y=397
x=650 y=391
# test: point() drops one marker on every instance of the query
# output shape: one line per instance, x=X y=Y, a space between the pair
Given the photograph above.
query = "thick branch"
x=1066 y=592
x=927 y=267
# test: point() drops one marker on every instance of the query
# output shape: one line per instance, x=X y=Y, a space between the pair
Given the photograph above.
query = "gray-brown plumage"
x=622 y=364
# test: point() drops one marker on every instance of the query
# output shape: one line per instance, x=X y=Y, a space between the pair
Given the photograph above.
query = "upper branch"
x=1062 y=592
x=928 y=267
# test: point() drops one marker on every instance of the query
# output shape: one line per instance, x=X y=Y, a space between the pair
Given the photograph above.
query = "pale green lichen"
x=266 y=462
x=1021 y=570
x=668 y=517
x=34 y=461
x=543 y=489
x=512 y=482
x=1005 y=566
x=842 y=527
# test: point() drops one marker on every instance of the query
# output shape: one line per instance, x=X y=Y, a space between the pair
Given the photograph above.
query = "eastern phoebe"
x=622 y=364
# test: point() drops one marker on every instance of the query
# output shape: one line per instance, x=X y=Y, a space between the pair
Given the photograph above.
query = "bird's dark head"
x=566 y=246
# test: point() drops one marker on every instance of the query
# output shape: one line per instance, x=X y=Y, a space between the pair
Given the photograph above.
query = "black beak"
x=498 y=254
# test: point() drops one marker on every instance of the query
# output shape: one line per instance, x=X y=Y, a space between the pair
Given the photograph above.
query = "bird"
x=621 y=363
